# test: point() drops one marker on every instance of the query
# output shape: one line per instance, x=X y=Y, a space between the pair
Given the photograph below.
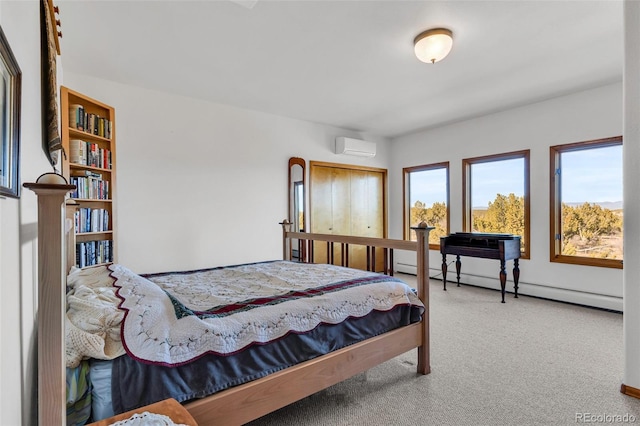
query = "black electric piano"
x=489 y=246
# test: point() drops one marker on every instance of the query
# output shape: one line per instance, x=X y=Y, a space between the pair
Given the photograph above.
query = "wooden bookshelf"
x=89 y=162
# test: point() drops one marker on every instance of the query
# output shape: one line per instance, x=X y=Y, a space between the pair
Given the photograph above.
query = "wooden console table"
x=489 y=246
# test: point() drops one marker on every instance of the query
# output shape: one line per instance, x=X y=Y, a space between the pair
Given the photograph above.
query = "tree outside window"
x=426 y=192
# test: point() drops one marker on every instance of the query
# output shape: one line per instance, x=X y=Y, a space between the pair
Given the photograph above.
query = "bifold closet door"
x=346 y=201
x=367 y=214
x=330 y=208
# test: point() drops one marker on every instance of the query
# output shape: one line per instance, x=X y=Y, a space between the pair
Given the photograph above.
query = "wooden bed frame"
x=243 y=403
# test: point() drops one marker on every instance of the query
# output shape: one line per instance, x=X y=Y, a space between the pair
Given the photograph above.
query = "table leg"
x=503 y=278
x=516 y=276
x=458 y=267
x=444 y=271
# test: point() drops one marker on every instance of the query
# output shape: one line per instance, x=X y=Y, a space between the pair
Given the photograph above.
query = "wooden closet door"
x=359 y=217
x=367 y=203
x=367 y=214
x=330 y=207
x=321 y=200
x=375 y=210
x=347 y=200
x=340 y=209
x=340 y=201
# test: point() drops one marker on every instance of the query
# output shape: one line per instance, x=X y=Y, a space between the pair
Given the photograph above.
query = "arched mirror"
x=297 y=197
x=297 y=193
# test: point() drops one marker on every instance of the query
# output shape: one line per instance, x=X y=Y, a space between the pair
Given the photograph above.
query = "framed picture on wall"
x=10 y=93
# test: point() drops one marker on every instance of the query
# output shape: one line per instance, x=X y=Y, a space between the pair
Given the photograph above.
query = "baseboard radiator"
x=595 y=300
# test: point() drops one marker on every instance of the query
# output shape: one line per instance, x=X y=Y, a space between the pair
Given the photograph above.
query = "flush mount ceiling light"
x=433 y=45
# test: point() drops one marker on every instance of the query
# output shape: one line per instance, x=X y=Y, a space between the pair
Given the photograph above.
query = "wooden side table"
x=169 y=407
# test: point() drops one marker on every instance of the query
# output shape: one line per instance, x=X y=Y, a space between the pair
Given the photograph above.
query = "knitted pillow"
x=92 y=325
x=91 y=276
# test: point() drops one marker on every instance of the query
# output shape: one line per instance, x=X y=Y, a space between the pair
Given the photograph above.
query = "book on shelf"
x=77 y=151
x=91 y=220
x=91 y=123
x=94 y=252
x=92 y=158
x=92 y=174
x=76 y=116
x=89 y=154
x=90 y=188
x=88 y=122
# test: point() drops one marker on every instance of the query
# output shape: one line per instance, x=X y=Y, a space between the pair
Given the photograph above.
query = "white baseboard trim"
x=527 y=289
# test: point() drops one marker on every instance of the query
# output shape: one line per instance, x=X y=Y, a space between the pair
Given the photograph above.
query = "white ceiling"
x=348 y=63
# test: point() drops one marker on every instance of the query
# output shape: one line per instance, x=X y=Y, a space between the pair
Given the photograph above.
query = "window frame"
x=555 y=204
x=406 y=171
x=466 y=192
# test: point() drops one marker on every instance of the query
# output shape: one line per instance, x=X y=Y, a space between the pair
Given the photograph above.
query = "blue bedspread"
x=135 y=384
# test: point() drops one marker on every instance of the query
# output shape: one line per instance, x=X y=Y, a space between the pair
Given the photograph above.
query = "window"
x=426 y=198
x=496 y=195
x=586 y=203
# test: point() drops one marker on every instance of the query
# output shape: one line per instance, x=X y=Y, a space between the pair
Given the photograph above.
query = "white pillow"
x=92 y=325
x=91 y=276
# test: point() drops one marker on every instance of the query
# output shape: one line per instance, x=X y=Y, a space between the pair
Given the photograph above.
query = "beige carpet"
x=525 y=362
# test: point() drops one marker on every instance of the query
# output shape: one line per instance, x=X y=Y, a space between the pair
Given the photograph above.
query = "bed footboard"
x=252 y=400
x=304 y=242
x=243 y=403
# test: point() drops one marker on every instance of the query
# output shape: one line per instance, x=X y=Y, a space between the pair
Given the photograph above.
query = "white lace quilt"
x=147 y=419
x=174 y=318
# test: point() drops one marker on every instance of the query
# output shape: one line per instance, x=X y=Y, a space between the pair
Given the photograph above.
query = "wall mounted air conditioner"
x=350 y=146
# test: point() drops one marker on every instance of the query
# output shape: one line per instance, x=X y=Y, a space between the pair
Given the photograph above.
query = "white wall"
x=20 y=21
x=587 y=115
x=202 y=184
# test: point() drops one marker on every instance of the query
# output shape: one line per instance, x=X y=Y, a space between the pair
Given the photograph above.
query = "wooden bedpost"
x=286 y=242
x=422 y=234
x=51 y=301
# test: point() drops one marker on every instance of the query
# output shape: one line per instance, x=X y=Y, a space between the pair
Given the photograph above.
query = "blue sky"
x=429 y=186
x=496 y=177
x=593 y=175
x=490 y=179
